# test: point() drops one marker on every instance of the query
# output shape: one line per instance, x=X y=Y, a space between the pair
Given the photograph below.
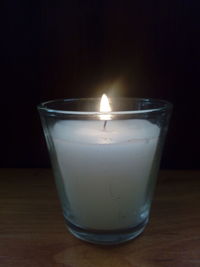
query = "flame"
x=105 y=108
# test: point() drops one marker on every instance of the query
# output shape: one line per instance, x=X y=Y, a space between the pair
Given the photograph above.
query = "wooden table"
x=33 y=233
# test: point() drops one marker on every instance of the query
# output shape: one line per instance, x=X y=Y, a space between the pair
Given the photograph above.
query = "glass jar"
x=105 y=170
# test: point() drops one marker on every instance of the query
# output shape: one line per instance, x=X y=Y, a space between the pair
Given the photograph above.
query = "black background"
x=85 y=48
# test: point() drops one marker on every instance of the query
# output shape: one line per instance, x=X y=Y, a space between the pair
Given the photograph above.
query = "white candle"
x=105 y=172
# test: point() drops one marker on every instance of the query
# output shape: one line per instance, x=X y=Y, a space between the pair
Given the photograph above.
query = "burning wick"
x=104 y=125
x=105 y=109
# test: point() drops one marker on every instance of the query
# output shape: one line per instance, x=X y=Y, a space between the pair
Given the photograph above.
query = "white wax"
x=105 y=171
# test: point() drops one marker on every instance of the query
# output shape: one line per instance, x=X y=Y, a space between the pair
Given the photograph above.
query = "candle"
x=105 y=169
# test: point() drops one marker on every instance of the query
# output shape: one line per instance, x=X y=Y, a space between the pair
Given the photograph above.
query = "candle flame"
x=105 y=108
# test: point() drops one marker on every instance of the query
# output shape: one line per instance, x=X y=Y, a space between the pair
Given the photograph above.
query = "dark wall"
x=84 y=48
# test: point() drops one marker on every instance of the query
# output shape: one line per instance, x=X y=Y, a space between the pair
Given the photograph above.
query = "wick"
x=104 y=126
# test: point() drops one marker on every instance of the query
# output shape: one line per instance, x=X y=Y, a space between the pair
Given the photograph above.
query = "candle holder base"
x=109 y=237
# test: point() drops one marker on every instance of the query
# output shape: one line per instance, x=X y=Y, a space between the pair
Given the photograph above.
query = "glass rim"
x=164 y=106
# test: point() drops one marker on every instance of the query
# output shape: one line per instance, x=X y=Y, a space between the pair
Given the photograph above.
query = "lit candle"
x=105 y=169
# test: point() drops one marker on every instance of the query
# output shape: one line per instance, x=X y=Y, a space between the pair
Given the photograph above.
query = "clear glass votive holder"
x=105 y=170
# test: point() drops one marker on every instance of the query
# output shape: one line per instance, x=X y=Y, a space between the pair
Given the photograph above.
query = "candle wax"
x=105 y=172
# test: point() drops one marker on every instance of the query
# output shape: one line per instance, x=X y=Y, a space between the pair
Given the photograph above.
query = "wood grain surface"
x=33 y=233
